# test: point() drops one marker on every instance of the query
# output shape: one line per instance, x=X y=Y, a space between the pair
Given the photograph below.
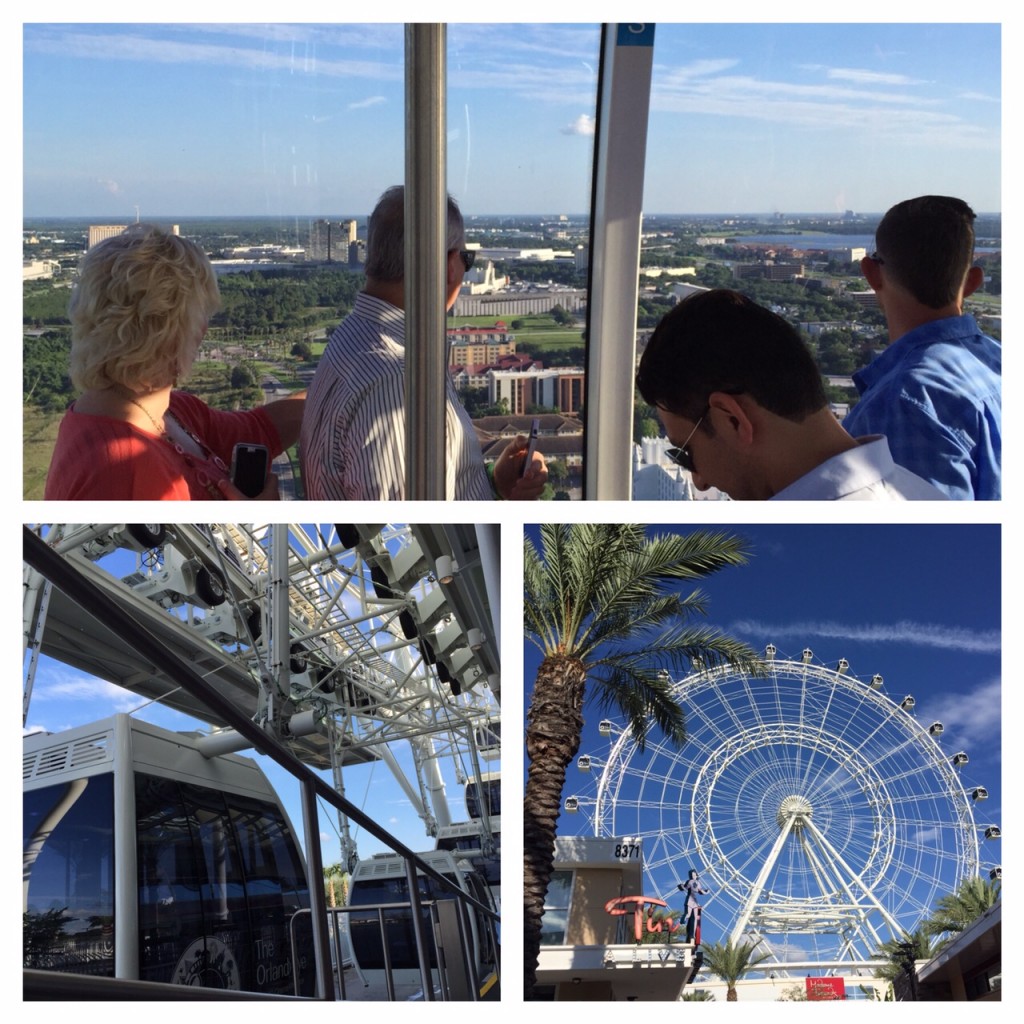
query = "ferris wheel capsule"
x=572 y=804
x=583 y=762
x=908 y=703
x=936 y=729
x=993 y=832
x=981 y=793
x=959 y=758
x=843 y=666
x=807 y=655
x=996 y=873
x=769 y=652
x=876 y=682
x=604 y=727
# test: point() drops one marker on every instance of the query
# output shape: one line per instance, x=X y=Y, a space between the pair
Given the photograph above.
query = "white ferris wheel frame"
x=851 y=903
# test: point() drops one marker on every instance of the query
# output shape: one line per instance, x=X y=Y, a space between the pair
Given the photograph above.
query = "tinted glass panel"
x=219 y=879
x=69 y=877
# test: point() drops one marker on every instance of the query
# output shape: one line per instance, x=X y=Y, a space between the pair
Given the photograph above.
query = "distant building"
x=99 y=232
x=356 y=255
x=329 y=241
x=561 y=388
x=815 y=328
x=38 y=270
x=482 y=280
x=510 y=304
x=657 y=478
x=866 y=298
x=479 y=344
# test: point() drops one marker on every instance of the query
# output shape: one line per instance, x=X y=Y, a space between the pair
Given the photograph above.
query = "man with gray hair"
x=353 y=433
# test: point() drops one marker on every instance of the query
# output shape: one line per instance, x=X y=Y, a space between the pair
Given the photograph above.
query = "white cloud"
x=972 y=718
x=370 y=101
x=583 y=125
x=863 y=77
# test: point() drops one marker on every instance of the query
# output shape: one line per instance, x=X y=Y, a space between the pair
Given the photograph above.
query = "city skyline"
x=307 y=120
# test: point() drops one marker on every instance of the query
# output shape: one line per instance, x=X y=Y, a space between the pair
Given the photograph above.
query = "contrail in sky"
x=920 y=633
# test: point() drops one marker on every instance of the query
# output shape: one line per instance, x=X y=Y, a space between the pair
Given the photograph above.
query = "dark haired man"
x=739 y=394
x=935 y=392
x=353 y=430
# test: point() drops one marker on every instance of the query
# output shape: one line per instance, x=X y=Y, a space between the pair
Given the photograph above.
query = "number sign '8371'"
x=625 y=851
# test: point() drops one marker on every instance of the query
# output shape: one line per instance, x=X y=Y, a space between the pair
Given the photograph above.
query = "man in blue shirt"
x=739 y=395
x=935 y=392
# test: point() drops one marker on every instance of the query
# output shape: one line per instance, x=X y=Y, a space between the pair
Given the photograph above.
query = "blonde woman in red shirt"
x=139 y=312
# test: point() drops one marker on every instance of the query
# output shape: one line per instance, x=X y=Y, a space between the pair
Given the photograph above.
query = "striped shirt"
x=353 y=429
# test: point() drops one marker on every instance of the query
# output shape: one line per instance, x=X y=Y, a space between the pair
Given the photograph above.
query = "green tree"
x=601 y=605
x=244 y=375
x=957 y=911
x=332 y=872
x=903 y=953
x=731 y=962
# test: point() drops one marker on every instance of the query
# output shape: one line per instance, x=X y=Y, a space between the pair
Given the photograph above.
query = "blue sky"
x=308 y=119
x=64 y=697
x=917 y=604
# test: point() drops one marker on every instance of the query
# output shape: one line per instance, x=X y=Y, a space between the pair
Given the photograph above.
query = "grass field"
x=538 y=329
x=40 y=433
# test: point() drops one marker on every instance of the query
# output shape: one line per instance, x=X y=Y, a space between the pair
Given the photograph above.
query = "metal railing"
x=456 y=951
x=64 y=575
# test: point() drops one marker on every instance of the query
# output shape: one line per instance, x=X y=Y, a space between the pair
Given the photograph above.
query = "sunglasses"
x=682 y=456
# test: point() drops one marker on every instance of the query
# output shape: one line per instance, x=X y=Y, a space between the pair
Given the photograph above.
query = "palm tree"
x=902 y=955
x=731 y=962
x=331 y=872
x=956 y=912
x=600 y=605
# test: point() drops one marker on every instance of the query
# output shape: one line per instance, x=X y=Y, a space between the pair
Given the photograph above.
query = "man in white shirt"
x=738 y=393
x=353 y=432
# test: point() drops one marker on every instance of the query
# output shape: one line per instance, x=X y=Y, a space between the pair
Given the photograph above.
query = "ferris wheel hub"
x=797 y=808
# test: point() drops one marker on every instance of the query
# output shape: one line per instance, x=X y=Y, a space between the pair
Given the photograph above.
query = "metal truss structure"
x=823 y=816
x=339 y=640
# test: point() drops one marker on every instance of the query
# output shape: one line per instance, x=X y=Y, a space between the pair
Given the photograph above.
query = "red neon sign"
x=618 y=907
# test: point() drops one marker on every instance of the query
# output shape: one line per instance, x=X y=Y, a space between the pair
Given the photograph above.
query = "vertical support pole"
x=620 y=151
x=35 y=624
x=317 y=901
x=426 y=230
x=416 y=908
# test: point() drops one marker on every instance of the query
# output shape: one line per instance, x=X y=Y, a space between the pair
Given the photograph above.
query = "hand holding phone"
x=531 y=447
x=249 y=465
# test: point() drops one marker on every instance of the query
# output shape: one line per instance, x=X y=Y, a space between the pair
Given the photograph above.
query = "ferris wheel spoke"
x=811 y=803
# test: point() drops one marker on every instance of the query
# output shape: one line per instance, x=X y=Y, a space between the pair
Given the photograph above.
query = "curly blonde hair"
x=139 y=310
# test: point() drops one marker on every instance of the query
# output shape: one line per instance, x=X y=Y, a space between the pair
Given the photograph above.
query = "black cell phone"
x=534 y=431
x=249 y=465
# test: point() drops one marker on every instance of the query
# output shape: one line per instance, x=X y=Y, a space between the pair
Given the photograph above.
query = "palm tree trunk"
x=554 y=724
